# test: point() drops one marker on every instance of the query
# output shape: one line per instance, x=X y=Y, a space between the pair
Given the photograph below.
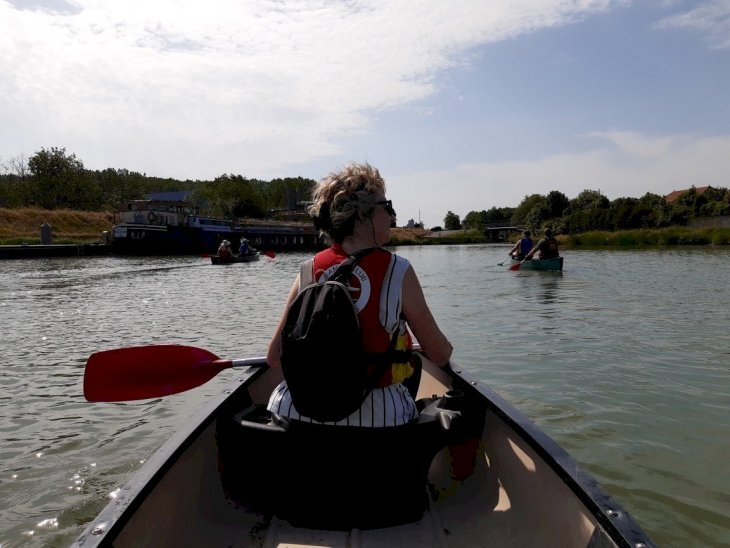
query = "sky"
x=462 y=105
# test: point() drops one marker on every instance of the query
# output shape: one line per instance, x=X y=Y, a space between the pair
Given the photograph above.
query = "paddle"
x=517 y=265
x=507 y=257
x=270 y=254
x=142 y=372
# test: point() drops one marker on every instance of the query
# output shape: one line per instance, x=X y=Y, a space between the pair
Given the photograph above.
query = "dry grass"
x=24 y=225
x=404 y=234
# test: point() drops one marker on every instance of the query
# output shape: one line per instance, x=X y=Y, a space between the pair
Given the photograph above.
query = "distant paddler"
x=522 y=247
x=547 y=247
x=224 y=250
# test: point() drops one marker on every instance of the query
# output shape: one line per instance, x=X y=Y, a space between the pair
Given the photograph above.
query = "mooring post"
x=46 y=234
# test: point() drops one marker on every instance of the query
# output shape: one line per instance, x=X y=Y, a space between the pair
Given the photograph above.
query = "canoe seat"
x=332 y=477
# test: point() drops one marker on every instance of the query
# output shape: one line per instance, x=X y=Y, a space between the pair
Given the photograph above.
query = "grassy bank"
x=18 y=226
x=670 y=236
x=420 y=236
x=661 y=237
x=22 y=225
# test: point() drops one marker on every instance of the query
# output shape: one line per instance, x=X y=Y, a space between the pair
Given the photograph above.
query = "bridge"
x=502 y=232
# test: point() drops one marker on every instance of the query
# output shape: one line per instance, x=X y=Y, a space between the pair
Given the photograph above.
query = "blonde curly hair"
x=341 y=197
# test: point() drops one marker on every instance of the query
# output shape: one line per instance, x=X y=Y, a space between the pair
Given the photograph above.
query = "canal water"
x=623 y=358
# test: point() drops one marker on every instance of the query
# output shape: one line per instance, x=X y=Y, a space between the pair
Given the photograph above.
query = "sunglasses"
x=388 y=205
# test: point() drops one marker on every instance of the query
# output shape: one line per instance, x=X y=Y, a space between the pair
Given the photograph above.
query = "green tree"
x=586 y=201
x=539 y=213
x=528 y=207
x=452 y=221
x=476 y=220
x=232 y=196
x=718 y=203
x=14 y=179
x=60 y=180
x=557 y=203
x=499 y=214
x=620 y=213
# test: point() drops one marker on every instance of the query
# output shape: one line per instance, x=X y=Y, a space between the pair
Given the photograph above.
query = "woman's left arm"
x=422 y=323
x=273 y=356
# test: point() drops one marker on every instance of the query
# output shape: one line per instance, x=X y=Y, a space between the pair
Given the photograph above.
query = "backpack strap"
x=341 y=274
x=344 y=270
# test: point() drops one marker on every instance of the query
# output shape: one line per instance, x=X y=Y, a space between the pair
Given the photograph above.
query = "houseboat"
x=162 y=227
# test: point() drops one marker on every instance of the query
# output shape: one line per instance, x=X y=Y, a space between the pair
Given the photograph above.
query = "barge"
x=163 y=227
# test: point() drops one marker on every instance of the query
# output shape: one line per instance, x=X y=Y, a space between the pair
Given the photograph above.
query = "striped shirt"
x=388 y=406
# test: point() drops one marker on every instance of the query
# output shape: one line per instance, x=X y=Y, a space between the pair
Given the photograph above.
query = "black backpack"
x=322 y=355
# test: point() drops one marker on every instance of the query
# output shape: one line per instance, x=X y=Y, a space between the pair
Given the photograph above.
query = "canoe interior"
x=494 y=480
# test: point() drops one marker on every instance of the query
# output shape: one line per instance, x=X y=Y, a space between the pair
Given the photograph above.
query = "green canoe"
x=545 y=264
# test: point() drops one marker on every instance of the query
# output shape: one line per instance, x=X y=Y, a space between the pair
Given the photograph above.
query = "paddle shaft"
x=507 y=257
x=242 y=362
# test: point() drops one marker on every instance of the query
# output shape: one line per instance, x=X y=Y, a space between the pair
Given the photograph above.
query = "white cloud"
x=623 y=164
x=194 y=89
x=711 y=19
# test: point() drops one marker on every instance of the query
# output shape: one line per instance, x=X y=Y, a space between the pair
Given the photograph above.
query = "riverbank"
x=646 y=237
x=22 y=226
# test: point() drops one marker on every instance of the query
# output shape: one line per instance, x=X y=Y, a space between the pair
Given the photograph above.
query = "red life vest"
x=366 y=285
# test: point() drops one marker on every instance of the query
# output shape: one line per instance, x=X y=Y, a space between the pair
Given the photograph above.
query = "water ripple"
x=622 y=358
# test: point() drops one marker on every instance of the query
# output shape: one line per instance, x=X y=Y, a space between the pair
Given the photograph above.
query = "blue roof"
x=176 y=196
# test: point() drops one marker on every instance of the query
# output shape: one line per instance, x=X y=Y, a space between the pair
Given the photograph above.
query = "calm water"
x=624 y=359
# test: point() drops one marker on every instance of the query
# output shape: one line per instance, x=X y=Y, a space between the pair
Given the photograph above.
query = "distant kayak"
x=215 y=259
x=545 y=264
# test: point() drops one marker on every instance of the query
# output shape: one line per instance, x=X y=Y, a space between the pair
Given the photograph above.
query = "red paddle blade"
x=142 y=372
x=269 y=254
x=515 y=266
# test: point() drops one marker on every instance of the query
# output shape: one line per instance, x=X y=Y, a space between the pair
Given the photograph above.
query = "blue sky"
x=462 y=105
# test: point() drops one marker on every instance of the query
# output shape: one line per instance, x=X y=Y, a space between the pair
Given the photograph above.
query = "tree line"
x=55 y=179
x=591 y=210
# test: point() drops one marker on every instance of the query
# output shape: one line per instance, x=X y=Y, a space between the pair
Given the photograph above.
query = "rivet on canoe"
x=640 y=545
x=613 y=513
x=474 y=383
x=99 y=529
